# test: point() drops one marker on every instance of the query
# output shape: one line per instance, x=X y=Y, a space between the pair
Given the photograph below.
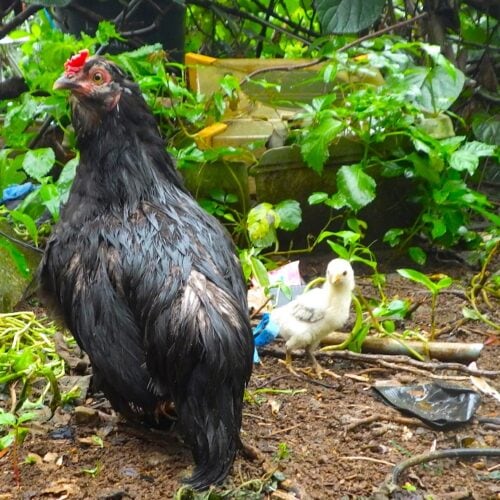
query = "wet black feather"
x=148 y=283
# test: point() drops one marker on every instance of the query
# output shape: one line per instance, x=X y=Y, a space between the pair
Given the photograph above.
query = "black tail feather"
x=210 y=415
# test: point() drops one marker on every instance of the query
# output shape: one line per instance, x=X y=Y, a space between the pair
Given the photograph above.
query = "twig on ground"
x=431 y=366
x=450 y=327
x=280 y=431
x=388 y=418
x=368 y=459
x=396 y=362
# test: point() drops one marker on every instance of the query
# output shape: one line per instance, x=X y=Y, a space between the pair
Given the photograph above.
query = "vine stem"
x=392 y=482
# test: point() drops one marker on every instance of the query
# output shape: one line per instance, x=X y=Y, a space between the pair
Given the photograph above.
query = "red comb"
x=75 y=63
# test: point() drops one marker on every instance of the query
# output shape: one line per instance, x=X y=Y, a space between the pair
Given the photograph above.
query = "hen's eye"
x=97 y=77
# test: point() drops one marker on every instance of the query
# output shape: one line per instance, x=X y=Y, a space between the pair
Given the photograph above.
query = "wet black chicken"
x=147 y=282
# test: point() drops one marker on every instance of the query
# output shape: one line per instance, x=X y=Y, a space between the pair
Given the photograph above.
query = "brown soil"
x=316 y=435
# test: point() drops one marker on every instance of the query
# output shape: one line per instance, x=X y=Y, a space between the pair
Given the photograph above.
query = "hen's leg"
x=288 y=362
x=318 y=369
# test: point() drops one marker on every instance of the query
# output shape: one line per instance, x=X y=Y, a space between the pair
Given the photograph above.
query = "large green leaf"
x=357 y=187
x=289 y=213
x=467 y=157
x=347 y=16
x=17 y=256
x=435 y=89
x=10 y=170
x=262 y=221
x=38 y=162
x=315 y=144
x=487 y=128
x=418 y=277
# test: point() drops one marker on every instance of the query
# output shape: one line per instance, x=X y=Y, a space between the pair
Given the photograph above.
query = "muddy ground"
x=329 y=439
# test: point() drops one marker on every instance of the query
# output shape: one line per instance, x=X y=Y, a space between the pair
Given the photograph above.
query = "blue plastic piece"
x=16 y=191
x=264 y=333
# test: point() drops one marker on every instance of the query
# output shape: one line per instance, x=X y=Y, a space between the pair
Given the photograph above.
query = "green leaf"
x=10 y=170
x=464 y=160
x=106 y=31
x=437 y=88
x=289 y=213
x=393 y=236
x=339 y=250
x=358 y=338
x=337 y=201
x=417 y=277
x=315 y=144
x=37 y=163
x=17 y=256
x=51 y=199
x=417 y=255
x=317 y=198
x=65 y=180
x=6 y=441
x=487 y=128
x=24 y=360
x=26 y=417
x=7 y=419
x=438 y=225
x=424 y=169
x=444 y=283
x=347 y=16
x=479 y=149
x=28 y=223
x=262 y=221
x=97 y=440
x=389 y=326
x=259 y=271
x=68 y=173
x=357 y=187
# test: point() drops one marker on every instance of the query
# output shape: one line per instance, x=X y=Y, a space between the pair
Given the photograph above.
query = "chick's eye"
x=344 y=273
x=97 y=77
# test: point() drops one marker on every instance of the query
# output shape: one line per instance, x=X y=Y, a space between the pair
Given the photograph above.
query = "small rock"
x=50 y=457
x=113 y=494
x=129 y=472
x=156 y=458
x=479 y=465
x=84 y=415
x=66 y=432
x=490 y=440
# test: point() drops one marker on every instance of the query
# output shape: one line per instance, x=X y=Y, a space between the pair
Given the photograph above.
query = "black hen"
x=147 y=282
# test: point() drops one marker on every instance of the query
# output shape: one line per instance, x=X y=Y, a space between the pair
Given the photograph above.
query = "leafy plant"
x=282 y=453
x=433 y=287
x=13 y=429
x=27 y=353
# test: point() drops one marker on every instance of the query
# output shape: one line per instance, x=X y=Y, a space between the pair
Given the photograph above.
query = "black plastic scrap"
x=438 y=405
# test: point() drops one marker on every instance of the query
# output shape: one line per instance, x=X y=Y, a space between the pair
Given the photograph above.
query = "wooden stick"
x=369 y=459
x=388 y=418
x=443 y=351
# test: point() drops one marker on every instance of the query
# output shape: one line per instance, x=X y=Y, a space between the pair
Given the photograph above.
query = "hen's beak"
x=65 y=82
